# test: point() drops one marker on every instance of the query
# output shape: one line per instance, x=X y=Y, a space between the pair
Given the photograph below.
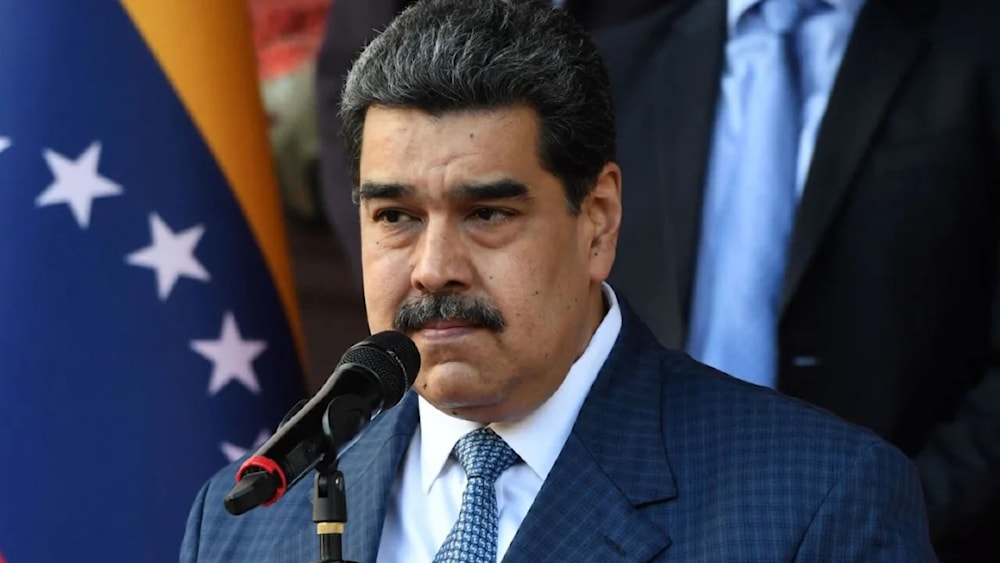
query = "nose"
x=441 y=261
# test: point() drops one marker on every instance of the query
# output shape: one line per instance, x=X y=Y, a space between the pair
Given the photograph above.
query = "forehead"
x=413 y=146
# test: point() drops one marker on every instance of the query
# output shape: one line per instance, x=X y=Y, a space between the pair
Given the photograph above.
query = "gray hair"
x=453 y=55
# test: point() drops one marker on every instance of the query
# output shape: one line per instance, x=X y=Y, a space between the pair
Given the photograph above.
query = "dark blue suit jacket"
x=668 y=461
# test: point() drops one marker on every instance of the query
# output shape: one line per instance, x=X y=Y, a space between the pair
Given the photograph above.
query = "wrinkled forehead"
x=482 y=153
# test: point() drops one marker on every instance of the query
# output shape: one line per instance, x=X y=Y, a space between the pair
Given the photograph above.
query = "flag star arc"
x=170 y=255
x=77 y=183
x=231 y=356
x=132 y=303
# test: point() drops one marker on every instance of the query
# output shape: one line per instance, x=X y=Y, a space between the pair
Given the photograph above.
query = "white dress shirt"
x=427 y=493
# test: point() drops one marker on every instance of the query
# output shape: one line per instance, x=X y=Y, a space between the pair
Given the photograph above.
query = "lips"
x=447 y=324
x=446 y=330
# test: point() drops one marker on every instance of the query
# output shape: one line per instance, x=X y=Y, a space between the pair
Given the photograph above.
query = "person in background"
x=814 y=206
x=546 y=422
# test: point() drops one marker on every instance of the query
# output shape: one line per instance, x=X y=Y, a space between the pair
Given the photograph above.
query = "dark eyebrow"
x=500 y=189
x=378 y=190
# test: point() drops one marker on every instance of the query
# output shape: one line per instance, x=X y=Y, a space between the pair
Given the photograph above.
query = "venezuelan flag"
x=148 y=327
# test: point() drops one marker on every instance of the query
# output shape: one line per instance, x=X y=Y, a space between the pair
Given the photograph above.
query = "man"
x=854 y=264
x=546 y=423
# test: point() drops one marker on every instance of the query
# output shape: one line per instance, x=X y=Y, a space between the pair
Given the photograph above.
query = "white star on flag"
x=4 y=143
x=171 y=255
x=234 y=452
x=231 y=356
x=77 y=183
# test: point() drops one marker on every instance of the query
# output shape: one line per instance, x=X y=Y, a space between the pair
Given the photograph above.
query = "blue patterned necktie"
x=755 y=220
x=473 y=539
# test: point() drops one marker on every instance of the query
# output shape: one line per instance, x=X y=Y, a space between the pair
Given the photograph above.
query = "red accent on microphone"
x=269 y=466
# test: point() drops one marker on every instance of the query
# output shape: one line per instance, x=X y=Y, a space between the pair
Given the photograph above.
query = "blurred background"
x=287 y=37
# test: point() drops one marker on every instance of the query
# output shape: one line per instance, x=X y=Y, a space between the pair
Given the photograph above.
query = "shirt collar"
x=538 y=438
x=736 y=9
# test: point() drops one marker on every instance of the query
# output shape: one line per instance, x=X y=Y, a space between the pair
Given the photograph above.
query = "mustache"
x=478 y=311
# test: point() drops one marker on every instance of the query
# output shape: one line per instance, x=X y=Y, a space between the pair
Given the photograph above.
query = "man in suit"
x=546 y=423
x=351 y=24
x=858 y=273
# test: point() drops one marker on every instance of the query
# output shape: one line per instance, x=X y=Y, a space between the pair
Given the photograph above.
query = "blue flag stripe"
x=107 y=423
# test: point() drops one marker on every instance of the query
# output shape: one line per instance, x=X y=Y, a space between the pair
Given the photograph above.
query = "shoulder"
x=967 y=30
x=793 y=475
x=970 y=29
x=744 y=434
x=213 y=534
x=745 y=423
x=628 y=49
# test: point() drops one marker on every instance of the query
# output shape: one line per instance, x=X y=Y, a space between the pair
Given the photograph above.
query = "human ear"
x=602 y=210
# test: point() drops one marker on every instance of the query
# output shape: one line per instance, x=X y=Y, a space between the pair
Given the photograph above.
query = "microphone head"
x=392 y=357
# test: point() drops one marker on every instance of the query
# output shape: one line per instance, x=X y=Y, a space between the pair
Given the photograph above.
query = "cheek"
x=380 y=311
x=531 y=291
x=386 y=285
x=549 y=271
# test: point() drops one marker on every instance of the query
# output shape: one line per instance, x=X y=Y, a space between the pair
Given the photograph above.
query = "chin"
x=484 y=414
x=456 y=386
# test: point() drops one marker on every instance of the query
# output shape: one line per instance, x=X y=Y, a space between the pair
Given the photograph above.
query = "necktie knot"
x=783 y=16
x=484 y=455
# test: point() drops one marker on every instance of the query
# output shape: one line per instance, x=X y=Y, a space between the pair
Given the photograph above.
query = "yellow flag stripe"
x=205 y=49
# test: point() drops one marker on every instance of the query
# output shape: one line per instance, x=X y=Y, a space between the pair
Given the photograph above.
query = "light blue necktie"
x=754 y=223
x=473 y=539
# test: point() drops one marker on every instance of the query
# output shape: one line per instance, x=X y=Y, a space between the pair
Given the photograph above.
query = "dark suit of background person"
x=351 y=24
x=888 y=312
x=667 y=461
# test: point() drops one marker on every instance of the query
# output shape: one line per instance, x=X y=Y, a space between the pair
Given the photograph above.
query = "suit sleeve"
x=192 y=534
x=960 y=465
x=874 y=513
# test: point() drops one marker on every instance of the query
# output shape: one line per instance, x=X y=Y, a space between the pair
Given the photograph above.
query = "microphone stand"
x=345 y=416
x=329 y=509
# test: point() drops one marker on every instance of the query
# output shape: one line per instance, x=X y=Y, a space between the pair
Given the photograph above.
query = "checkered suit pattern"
x=668 y=461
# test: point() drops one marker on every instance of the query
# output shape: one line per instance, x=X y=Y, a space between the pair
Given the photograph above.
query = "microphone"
x=372 y=376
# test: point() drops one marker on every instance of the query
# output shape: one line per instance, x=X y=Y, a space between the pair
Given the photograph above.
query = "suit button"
x=805 y=361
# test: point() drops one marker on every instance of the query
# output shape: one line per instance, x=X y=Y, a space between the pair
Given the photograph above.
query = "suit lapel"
x=581 y=510
x=369 y=471
x=614 y=464
x=882 y=49
x=691 y=64
x=369 y=466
